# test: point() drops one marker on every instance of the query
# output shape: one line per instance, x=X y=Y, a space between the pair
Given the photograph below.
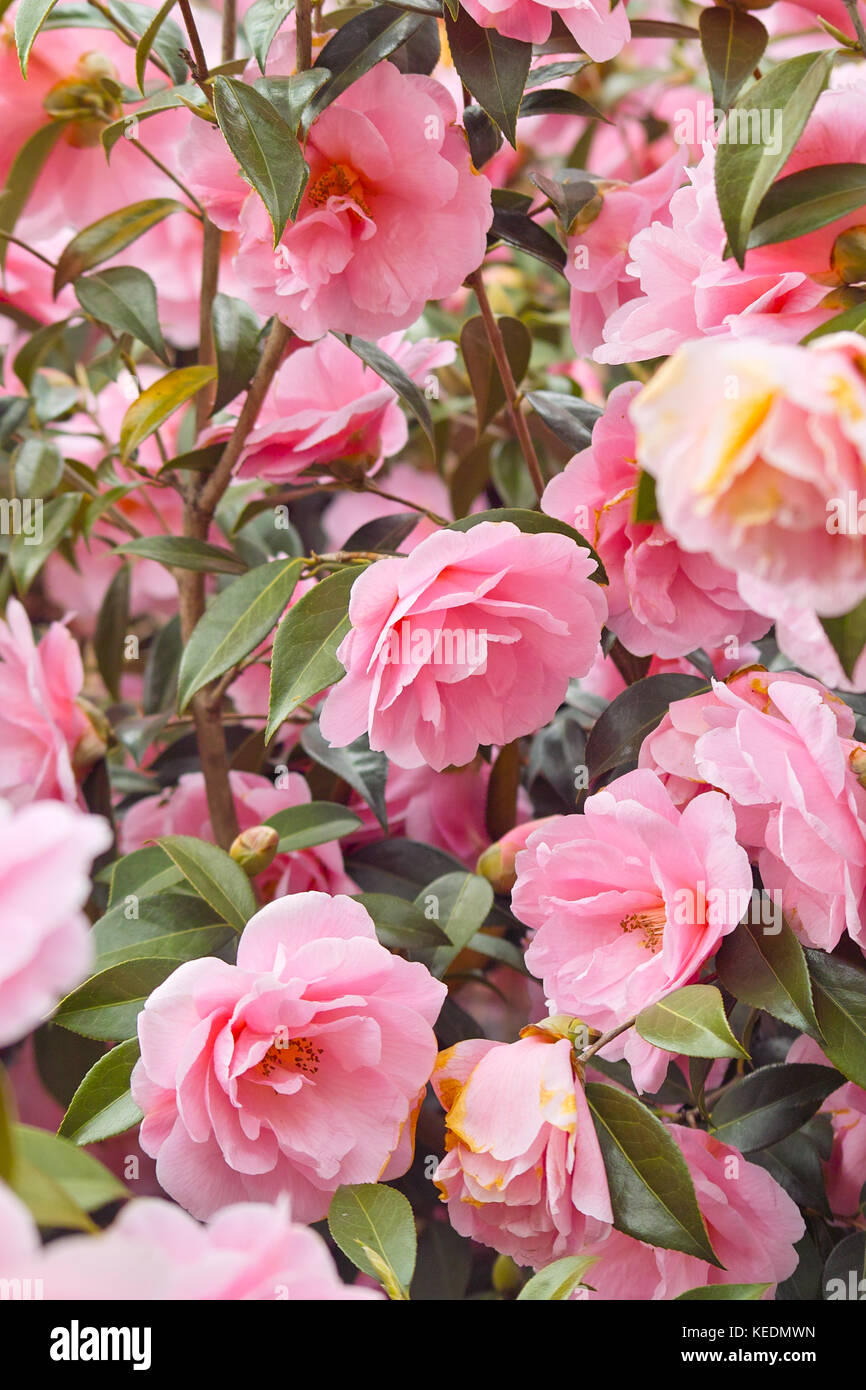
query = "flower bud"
x=857 y=760
x=497 y=863
x=93 y=743
x=507 y=1276
x=254 y=849
x=848 y=257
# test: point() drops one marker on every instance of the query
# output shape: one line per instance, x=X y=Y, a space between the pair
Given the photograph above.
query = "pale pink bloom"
x=326 y=406
x=599 y=254
x=154 y=1251
x=669 y=749
x=184 y=811
x=41 y=722
x=845 y=1171
x=688 y=289
x=441 y=642
x=752 y=1224
x=801 y=810
x=393 y=214
x=45 y=949
x=445 y=809
x=749 y=442
x=523 y=1170
x=627 y=901
x=351 y=510
x=297 y=1070
x=664 y=601
x=600 y=29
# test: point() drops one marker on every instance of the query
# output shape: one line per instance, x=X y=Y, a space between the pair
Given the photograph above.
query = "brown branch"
x=500 y=356
x=303 y=35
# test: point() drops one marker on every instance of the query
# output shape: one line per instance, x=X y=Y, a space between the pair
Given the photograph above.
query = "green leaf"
x=516 y=228
x=531 y=523
x=847 y=635
x=744 y=172
x=723 y=1293
x=291 y=95
x=849 y=321
x=358 y=45
x=570 y=418
x=768 y=971
x=559 y=103
x=124 y=297
x=184 y=553
x=400 y=925
x=805 y=201
x=304 y=660
x=140 y=874
x=314 y=823
x=462 y=902
x=21 y=179
x=215 y=877
x=493 y=68
x=112 y=625
x=444 y=1265
x=172 y=926
x=795 y=1163
x=373 y=1225
x=147 y=40
x=614 y=742
x=85 y=1180
x=399 y=867
x=108 y=1004
x=236 y=334
x=771 y=1103
x=692 y=1021
x=384 y=366
x=239 y=618
x=557 y=1281
x=103 y=1106
x=651 y=1188
x=484 y=377
x=645 y=506
x=27 y=559
x=7 y=1141
x=733 y=44
x=839 y=991
x=264 y=146
x=37 y=468
x=110 y=235
x=359 y=766
x=160 y=400
x=29 y=18
x=261 y=24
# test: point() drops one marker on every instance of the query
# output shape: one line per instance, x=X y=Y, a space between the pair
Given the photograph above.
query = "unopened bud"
x=848 y=257
x=93 y=743
x=857 y=759
x=497 y=863
x=254 y=849
x=507 y=1277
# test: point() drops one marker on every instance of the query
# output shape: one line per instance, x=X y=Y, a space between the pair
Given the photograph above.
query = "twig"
x=497 y=347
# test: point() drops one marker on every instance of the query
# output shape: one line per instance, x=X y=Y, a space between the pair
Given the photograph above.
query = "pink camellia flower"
x=154 y=1251
x=749 y=443
x=685 y=287
x=297 y=1070
x=44 y=732
x=598 y=253
x=45 y=950
x=779 y=745
x=441 y=643
x=601 y=29
x=752 y=1224
x=523 y=1171
x=845 y=1169
x=626 y=902
x=326 y=406
x=393 y=214
x=184 y=811
x=664 y=601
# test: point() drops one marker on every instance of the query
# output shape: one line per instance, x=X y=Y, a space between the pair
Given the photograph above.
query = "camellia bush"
x=433 y=671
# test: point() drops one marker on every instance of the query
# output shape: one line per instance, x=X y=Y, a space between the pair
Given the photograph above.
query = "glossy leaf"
x=264 y=146
x=123 y=297
x=214 y=876
x=110 y=235
x=304 y=660
x=374 y=1226
x=103 y=1106
x=690 y=1021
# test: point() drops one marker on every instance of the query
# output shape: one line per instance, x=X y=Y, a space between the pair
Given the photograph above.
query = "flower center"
x=651 y=923
x=338 y=181
x=299 y=1054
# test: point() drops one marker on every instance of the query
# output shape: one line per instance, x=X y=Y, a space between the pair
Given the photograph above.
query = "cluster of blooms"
x=617 y=683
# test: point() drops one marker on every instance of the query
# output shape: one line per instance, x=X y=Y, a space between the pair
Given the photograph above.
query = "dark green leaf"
x=360 y=767
x=304 y=660
x=236 y=334
x=123 y=297
x=615 y=740
x=172 y=926
x=847 y=636
x=261 y=23
x=264 y=146
x=808 y=200
x=312 y=823
x=107 y=1005
x=110 y=235
x=839 y=991
x=181 y=552
x=384 y=366
x=733 y=43
x=214 y=876
x=516 y=228
x=112 y=625
x=768 y=971
x=568 y=417
x=771 y=1103
x=493 y=68
x=102 y=1106
x=358 y=45
x=484 y=377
